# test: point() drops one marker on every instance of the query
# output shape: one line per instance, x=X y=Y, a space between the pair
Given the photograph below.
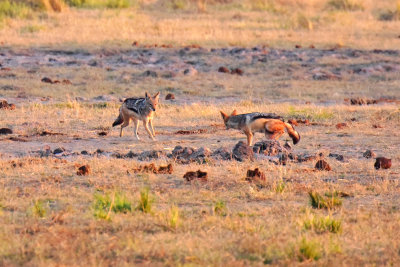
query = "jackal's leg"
x=146 y=126
x=136 y=122
x=152 y=128
x=126 y=123
x=249 y=135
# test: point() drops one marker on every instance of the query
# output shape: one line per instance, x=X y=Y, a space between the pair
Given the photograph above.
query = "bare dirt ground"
x=49 y=214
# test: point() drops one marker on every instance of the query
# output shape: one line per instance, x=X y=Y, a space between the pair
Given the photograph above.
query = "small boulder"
x=322 y=165
x=255 y=175
x=170 y=96
x=383 y=163
x=341 y=125
x=242 y=152
x=102 y=133
x=6 y=131
x=189 y=176
x=83 y=170
x=269 y=148
x=222 y=153
x=46 y=80
x=58 y=150
x=223 y=70
x=237 y=71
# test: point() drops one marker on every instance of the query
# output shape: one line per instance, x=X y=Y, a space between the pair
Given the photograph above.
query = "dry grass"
x=245 y=24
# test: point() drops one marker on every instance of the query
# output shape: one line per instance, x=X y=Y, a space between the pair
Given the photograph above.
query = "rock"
x=58 y=150
x=150 y=73
x=190 y=71
x=135 y=43
x=5 y=105
x=84 y=152
x=322 y=165
x=382 y=162
x=237 y=71
x=269 y=148
x=165 y=169
x=341 y=125
x=66 y=82
x=130 y=155
x=83 y=170
x=222 y=153
x=150 y=155
x=242 y=152
x=255 y=175
x=102 y=133
x=338 y=157
x=189 y=176
x=46 y=80
x=223 y=69
x=362 y=101
x=6 y=131
x=187 y=155
x=369 y=154
x=297 y=46
x=169 y=96
x=306 y=157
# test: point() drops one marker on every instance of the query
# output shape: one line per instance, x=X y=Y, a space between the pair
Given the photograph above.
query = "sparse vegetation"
x=309 y=250
x=39 y=208
x=220 y=208
x=347 y=5
x=323 y=224
x=173 y=217
x=319 y=202
x=145 y=201
x=104 y=204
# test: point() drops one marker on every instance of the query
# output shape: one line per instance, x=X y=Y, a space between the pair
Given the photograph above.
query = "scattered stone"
x=5 y=105
x=135 y=43
x=84 y=170
x=170 y=96
x=6 y=131
x=382 y=162
x=46 y=80
x=222 y=153
x=237 y=71
x=84 y=152
x=242 y=152
x=103 y=133
x=269 y=148
x=322 y=165
x=223 y=69
x=66 y=82
x=362 y=101
x=47 y=133
x=306 y=157
x=189 y=176
x=151 y=168
x=150 y=73
x=58 y=150
x=255 y=175
x=297 y=46
x=369 y=154
x=338 y=157
x=131 y=155
x=150 y=155
x=187 y=155
x=341 y=125
x=99 y=151
x=377 y=126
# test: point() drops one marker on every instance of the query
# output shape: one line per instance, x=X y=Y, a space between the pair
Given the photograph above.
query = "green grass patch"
x=11 y=9
x=104 y=204
x=39 y=208
x=220 y=208
x=323 y=224
x=309 y=250
x=310 y=114
x=345 y=5
x=115 y=4
x=319 y=202
x=145 y=201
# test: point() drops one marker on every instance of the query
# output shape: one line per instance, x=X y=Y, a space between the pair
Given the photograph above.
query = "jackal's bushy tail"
x=292 y=133
x=119 y=120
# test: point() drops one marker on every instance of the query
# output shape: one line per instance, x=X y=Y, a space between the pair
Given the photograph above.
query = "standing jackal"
x=138 y=109
x=270 y=124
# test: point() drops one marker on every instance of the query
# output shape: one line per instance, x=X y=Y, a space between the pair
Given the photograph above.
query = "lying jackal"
x=270 y=124
x=138 y=109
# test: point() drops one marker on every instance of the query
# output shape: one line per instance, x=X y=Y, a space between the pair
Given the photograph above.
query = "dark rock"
x=269 y=148
x=189 y=176
x=338 y=157
x=102 y=133
x=242 y=152
x=6 y=131
x=83 y=170
x=150 y=155
x=369 y=154
x=255 y=175
x=222 y=153
x=322 y=165
x=186 y=155
x=5 y=105
x=46 y=80
x=99 y=151
x=223 y=69
x=150 y=73
x=341 y=125
x=84 y=152
x=169 y=96
x=362 y=101
x=237 y=71
x=58 y=150
x=130 y=155
x=382 y=162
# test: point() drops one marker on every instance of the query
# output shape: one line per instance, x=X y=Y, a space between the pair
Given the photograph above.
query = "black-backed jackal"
x=270 y=124
x=138 y=109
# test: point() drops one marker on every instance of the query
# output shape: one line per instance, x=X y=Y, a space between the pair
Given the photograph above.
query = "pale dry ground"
x=243 y=23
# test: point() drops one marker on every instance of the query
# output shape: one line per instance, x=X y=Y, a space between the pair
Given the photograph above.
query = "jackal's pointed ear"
x=146 y=95
x=156 y=96
x=224 y=116
x=234 y=113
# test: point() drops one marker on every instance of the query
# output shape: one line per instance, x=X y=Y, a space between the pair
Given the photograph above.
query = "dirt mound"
x=242 y=152
x=189 y=176
x=255 y=175
x=322 y=165
x=269 y=148
x=83 y=170
x=185 y=155
x=5 y=105
x=382 y=163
